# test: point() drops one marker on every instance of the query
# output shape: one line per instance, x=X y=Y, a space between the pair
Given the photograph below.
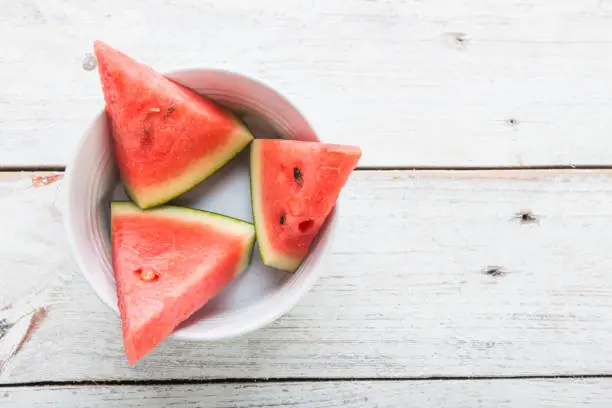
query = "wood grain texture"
x=414 y=83
x=404 y=293
x=561 y=393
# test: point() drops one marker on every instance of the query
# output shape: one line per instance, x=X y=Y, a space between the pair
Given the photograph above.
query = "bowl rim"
x=261 y=312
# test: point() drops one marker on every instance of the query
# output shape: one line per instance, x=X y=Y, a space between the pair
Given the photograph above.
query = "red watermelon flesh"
x=168 y=262
x=167 y=138
x=294 y=186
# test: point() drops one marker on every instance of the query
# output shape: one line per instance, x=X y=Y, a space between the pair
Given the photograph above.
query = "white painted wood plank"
x=403 y=293
x=560 y=393
x=435 y=83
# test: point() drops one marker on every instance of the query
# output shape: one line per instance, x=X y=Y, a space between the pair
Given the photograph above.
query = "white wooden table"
x=473 y=263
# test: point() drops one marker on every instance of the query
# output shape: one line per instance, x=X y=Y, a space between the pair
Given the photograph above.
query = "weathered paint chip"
x=18 y=333
x=40 y=181
x=89 y=62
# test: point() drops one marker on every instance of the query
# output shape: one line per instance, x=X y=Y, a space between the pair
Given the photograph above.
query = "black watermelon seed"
x=297 y=175
x=282 y=219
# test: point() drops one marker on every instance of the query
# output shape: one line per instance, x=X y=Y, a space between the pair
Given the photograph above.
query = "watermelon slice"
x=294 y=186
x=168 y=262
x=167 y=138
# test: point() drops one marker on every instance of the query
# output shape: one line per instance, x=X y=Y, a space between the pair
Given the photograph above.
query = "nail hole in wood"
x=512 y=122
x=494 y=271
x=526 y=217
x=460 y=39
x=456 y=39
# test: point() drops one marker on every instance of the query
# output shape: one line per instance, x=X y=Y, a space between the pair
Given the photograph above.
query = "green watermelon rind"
x=243 y=136
x=223 y=222
x=269 y=256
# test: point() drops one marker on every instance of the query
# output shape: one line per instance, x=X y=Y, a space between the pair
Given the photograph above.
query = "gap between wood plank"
x=15 y=169
x=284 y=380
x=487 y=168
x=10 y=169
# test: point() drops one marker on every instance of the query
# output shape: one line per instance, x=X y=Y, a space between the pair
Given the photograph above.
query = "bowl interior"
x=260 y=294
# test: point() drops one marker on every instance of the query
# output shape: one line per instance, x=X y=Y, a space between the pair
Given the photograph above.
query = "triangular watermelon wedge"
x=294 y=186
x=168 y=262
x=167 y=138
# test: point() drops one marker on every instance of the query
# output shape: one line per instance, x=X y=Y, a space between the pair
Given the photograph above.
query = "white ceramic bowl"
x=260 y=294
